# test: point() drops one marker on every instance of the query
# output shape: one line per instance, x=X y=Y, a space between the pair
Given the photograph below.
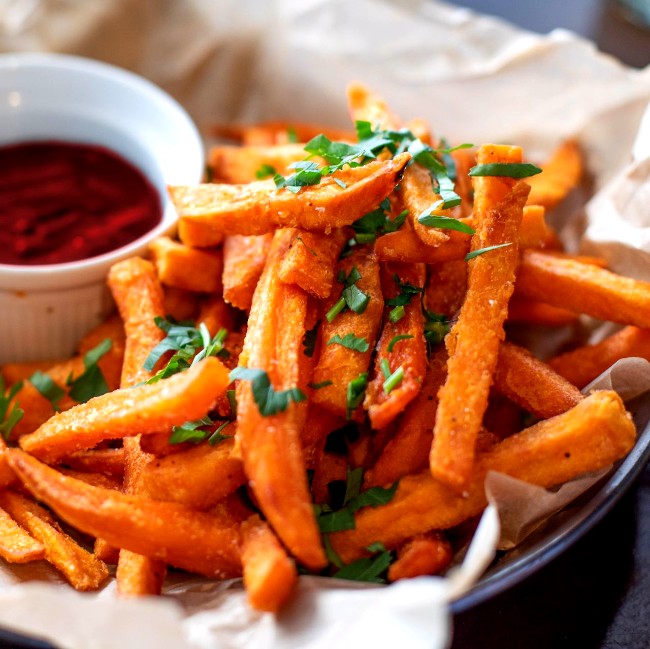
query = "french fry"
x=425 y=554
x=561 y=173
x=169 y=402
x=532 y=384
x=405 y=246
x=243 y=263
x=335 y=362
x=196 y=541
x=216 y=314
x=584 y=288
x=408 y=355
x=198 y=477
x=474 y=340
x=181 y=304
x=239 y=165
x=109 y=461
x=551 y=452
x=17 y=545
x=535 y=233
x=79 y=567
x=311 y=259
x=584 y=364
x=408 y=450
x=445 y=289
x=270 y=575
x=172 y=260
x=278 y=132
x=271 y=445
x=259 y=207
x=330 y=468
x=535 y=312
x=192 y=234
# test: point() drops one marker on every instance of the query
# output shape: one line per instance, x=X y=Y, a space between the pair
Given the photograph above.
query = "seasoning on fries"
x=341 y=374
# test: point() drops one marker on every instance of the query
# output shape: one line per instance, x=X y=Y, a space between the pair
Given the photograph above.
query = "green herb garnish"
x=482 y=251
x=47 y=387
x=9 y=417
x=352 y=296
x=396 y=339
x=355 y=393
x=265 y=171
x=394 y=380
x=350 y=341
x=368 y=569
x=92 y=382
x=318 y=386
x=269 y=402
x=443 y=222
x=508 y=169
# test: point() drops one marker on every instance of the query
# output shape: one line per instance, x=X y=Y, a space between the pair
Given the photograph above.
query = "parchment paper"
x=476 y=79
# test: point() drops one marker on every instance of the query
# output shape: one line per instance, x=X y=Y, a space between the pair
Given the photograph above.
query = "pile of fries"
x=316 y=375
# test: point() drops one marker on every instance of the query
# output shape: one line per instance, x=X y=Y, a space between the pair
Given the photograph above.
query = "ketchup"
x=63 y=202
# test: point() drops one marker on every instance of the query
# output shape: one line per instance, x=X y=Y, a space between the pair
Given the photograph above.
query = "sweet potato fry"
x=584 y=364
x=216 y=314
x=279 y=132
x=583 y=288
x=320 y=423
x=169 y=402
x=78 y=566
x=445 y=289
x=561 y=173
x=539 y=313
x=340 y=364
x=408 y=450
x=270 y=575
x=172 y=260
x=365 y=106
x=311 y=259
x=474 y=340
x=271 y=445
x=407 y=355
x=181 y=304
x=424 y=554
x=198 y=477
x=109 y=461
x=405 y=246
x=243 y=263
x=16 y=545
x=535 y=233
x=551 y=452
x=240 y=165
x=195 y=541
x=192 y=234
x=532 y=384
x=259 y=207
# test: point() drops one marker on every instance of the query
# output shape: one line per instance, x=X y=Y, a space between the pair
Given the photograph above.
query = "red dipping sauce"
x=62 y=202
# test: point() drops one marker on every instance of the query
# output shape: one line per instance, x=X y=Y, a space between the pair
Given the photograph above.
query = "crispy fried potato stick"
x=584 y=364
x=109 y=461
x=535 y=312
x=311 y=259
x=270 y=575
x=585 y=288
x=17 y=545
x=278 y=132
x=473 y=342
x=130 y=411
x=445 y=289
x=532 y=384
x=424 y=554
x=192 y=234
x=181 y=304
x=335 y=362
x=78 y=566
x=551 y=452
x=243 y=263
x=535 y=232
x=173 y=259
x=199 y=477
x=200 y=542
x=405 y=246
x=259 y=207
x=409 y=354
x=271 y=445
x=561 y=173
x=240 y=165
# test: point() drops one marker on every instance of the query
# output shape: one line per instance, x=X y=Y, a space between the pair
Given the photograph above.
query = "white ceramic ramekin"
x=44 y=310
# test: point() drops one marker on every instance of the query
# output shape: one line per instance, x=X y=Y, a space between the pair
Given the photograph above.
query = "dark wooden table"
x=597 y=594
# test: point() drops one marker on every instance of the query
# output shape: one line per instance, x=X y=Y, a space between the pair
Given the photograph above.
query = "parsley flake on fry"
x=396 y=339
x=482 y=251
x=9 y=417
x=508 y=169
x=265 y=171
x=355 y=393
x=47 y=387
x=350 y=341
x=92 y=382
x=269 y=402
x=443 y=222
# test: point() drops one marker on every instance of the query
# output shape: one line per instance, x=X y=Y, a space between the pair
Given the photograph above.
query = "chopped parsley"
x=269 y=402
x=190 y=344
x=508 y=169
x=352 y=297
x=436 y=327
x=92 y=382
x=371 y=225
x=443 y=222
x=406 y=293
x=350 y=341
x=355 y=393
x=369 y=569
x=9 y=417
x=482 y=251
x=394 y=380
x=318 y=386
x=47 y=388
x=292 y=136
x=265 y=171
x=195 y=432
x=396 y=339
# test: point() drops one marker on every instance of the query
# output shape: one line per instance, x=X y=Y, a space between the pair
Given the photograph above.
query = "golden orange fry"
x=243 y=263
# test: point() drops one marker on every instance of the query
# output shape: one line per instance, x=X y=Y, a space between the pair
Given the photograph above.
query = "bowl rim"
x=70 y=273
